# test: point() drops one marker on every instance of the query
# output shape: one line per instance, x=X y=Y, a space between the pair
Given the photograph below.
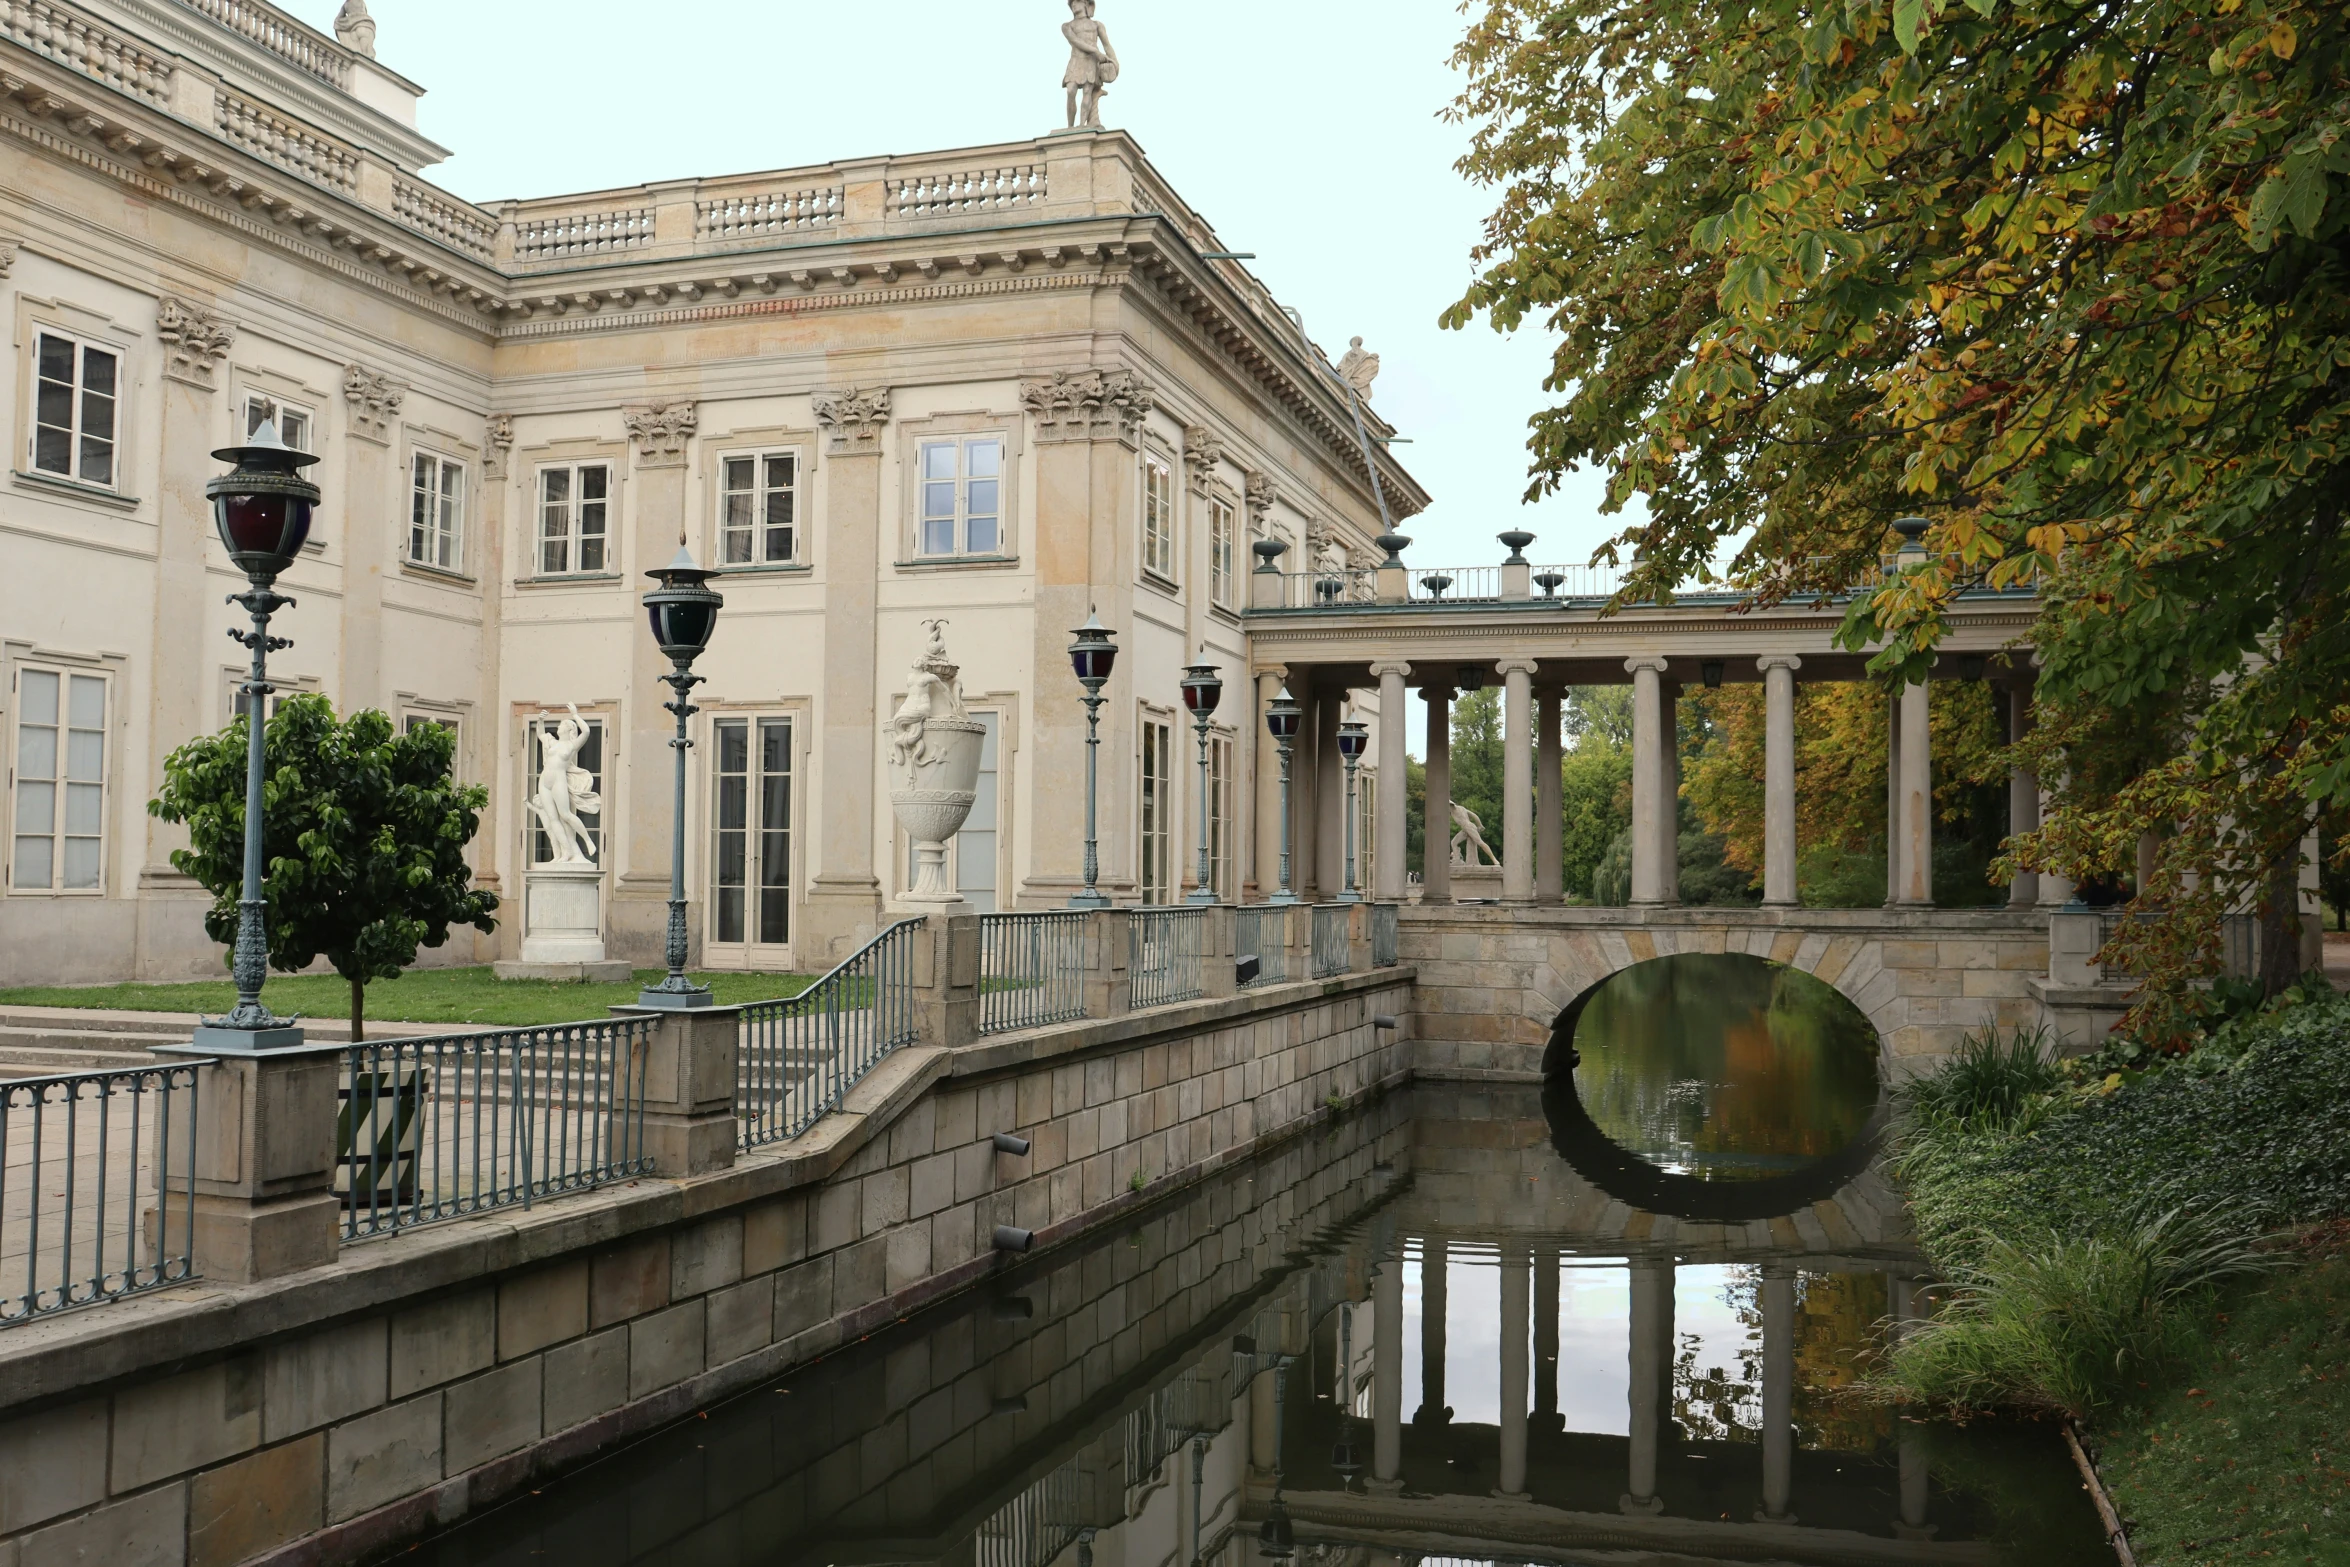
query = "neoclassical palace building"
x=1001 y=385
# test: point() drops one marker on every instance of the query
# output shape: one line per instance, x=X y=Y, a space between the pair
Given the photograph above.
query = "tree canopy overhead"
x=2070 y=279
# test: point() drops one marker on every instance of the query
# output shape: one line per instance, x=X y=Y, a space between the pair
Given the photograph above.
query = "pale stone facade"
x=998 y=384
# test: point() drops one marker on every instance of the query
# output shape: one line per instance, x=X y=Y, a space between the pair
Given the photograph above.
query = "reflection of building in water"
x=1396 y=1331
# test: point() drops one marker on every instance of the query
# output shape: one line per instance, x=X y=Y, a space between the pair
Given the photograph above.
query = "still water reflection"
x=1428 y=1332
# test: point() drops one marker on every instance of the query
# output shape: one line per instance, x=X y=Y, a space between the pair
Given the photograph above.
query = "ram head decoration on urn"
x=934 y=746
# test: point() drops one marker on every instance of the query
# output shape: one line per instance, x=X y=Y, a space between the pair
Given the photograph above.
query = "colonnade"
x=1530 y=828
x=1529 y=1279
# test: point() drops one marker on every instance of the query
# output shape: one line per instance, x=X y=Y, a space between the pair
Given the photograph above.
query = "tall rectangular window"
x=60 y=778
x=75 y=406
x=750 y=858
x=1158 y=517
x=962 y=497
x=590 y=761
x=1223 y=533
x=293 y=424
x=575 y=520
x=1158 y=811
x=759 y=509
x=1223 y=818
x=436 y=512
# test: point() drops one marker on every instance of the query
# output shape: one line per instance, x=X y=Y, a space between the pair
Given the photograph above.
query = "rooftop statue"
x=1358 y=369
x=356 y=28
x=1093 y=64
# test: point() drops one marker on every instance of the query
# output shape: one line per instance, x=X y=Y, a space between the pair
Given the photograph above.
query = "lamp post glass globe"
x=262 y=510
x=1093 y=654
x=683 y=612
x=1203 y=689
x=1282 y=717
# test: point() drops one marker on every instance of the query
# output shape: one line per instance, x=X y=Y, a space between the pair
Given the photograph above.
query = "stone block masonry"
x=339 y=1413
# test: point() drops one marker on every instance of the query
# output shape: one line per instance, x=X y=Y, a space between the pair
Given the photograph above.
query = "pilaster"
x=372 y=402
x=1391 y=829
x=844 y=896
x=660 y=433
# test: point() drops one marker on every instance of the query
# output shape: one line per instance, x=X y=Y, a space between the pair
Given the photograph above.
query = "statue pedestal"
x=1476 y=883
x=563 y=927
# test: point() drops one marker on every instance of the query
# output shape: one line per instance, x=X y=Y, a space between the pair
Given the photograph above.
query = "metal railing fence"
x=1031 y=969
x=84 y=1214
x=1164 y=956
x=1333 y=931
x=1262 y=933
x=445 y=1127
x=799 y=1056
x=1386 y=935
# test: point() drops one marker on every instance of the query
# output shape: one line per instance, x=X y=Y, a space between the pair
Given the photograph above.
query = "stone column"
x=1514 y=1321
x=639 y=910
x=1268 y=780
x=1329 y=815
x=1549 y=829
x=1893 y=829
x=1087 y=424
x=1391 y=829
x=1917 y=799
x=1436 y=852
x=1654 y=873
x=1517 y=781
x=1779 y=779
x=2055 y=891
x=1651 y=1366
x=1546 y=1340
x=1387 y=1375
x=1778 y=1393
x=181 y=694
x=1433 y=1411
x=843 y=906
x=2023 y=789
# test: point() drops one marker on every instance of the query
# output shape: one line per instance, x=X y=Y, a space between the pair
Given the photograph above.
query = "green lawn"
x=461 y=995
x=2243 y=1457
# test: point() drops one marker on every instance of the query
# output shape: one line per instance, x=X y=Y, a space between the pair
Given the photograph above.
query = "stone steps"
x=45 y=1041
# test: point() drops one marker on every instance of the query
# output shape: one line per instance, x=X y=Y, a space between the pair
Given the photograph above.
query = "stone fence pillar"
x=1218 y=951
x=690 y=1075
x=2072 y=950
x=946 y=979
x=1108 y=981
x=264 y=1166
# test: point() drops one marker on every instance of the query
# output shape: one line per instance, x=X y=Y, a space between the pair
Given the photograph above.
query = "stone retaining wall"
x=336 y=1414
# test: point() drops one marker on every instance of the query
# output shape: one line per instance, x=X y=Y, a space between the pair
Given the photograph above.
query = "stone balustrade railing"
x=575 y=236
x=736 y=219
x=281 y=35
x=456 y=223
x=86 y=46
x=964 y=192
x=275 y=139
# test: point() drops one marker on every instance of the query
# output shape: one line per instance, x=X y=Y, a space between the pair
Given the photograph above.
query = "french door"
x=751 y=847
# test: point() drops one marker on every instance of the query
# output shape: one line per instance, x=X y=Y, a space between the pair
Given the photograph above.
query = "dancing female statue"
x=565 y=791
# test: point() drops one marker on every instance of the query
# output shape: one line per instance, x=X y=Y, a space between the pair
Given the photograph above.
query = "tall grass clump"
x=1988 y=1080
x=2063 y=1322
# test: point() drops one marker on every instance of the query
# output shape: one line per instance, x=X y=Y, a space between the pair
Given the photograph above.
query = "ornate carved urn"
x=935 y=749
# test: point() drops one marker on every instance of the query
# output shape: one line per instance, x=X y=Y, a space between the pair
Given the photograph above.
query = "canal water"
x=1618 y=1317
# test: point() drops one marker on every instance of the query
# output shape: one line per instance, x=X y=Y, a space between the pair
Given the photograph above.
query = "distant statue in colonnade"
x=1468 y=839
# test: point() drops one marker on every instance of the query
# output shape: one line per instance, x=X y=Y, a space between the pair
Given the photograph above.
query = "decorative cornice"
x=660 y=431
x=194 y=338
x=1088 y=405
x=374 y=400
x=853 y=419
x=1202 y=452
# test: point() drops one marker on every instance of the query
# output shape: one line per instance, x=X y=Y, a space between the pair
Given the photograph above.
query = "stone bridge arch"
x=1493 y=979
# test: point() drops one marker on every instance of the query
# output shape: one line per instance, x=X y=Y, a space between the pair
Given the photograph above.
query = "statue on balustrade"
x=355 y=28
x=1093 y=65
x=1468 y=839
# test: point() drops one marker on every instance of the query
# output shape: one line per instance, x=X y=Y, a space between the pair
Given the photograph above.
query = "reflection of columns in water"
x=1264 y=1431
x=1387 y=1375
x=1652 y=1369
x=1546 y=1340
x=1916 y=1480
x=1514 y=1282
x=1432 y=1406
x=1778 y=1393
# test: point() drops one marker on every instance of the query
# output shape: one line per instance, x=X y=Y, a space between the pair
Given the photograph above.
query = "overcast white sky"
x=1307 y=132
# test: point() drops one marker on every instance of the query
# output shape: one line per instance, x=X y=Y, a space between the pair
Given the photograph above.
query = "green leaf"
x=1909 y=23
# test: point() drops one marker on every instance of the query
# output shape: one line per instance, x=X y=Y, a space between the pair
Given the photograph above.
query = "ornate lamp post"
x=1281 y=721
x=1353 y=737
x=262 y=511
x=1202 y=690
x=1092 y=655
x=684 y=611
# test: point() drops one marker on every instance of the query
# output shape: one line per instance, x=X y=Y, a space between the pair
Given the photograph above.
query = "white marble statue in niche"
x=566 y=792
